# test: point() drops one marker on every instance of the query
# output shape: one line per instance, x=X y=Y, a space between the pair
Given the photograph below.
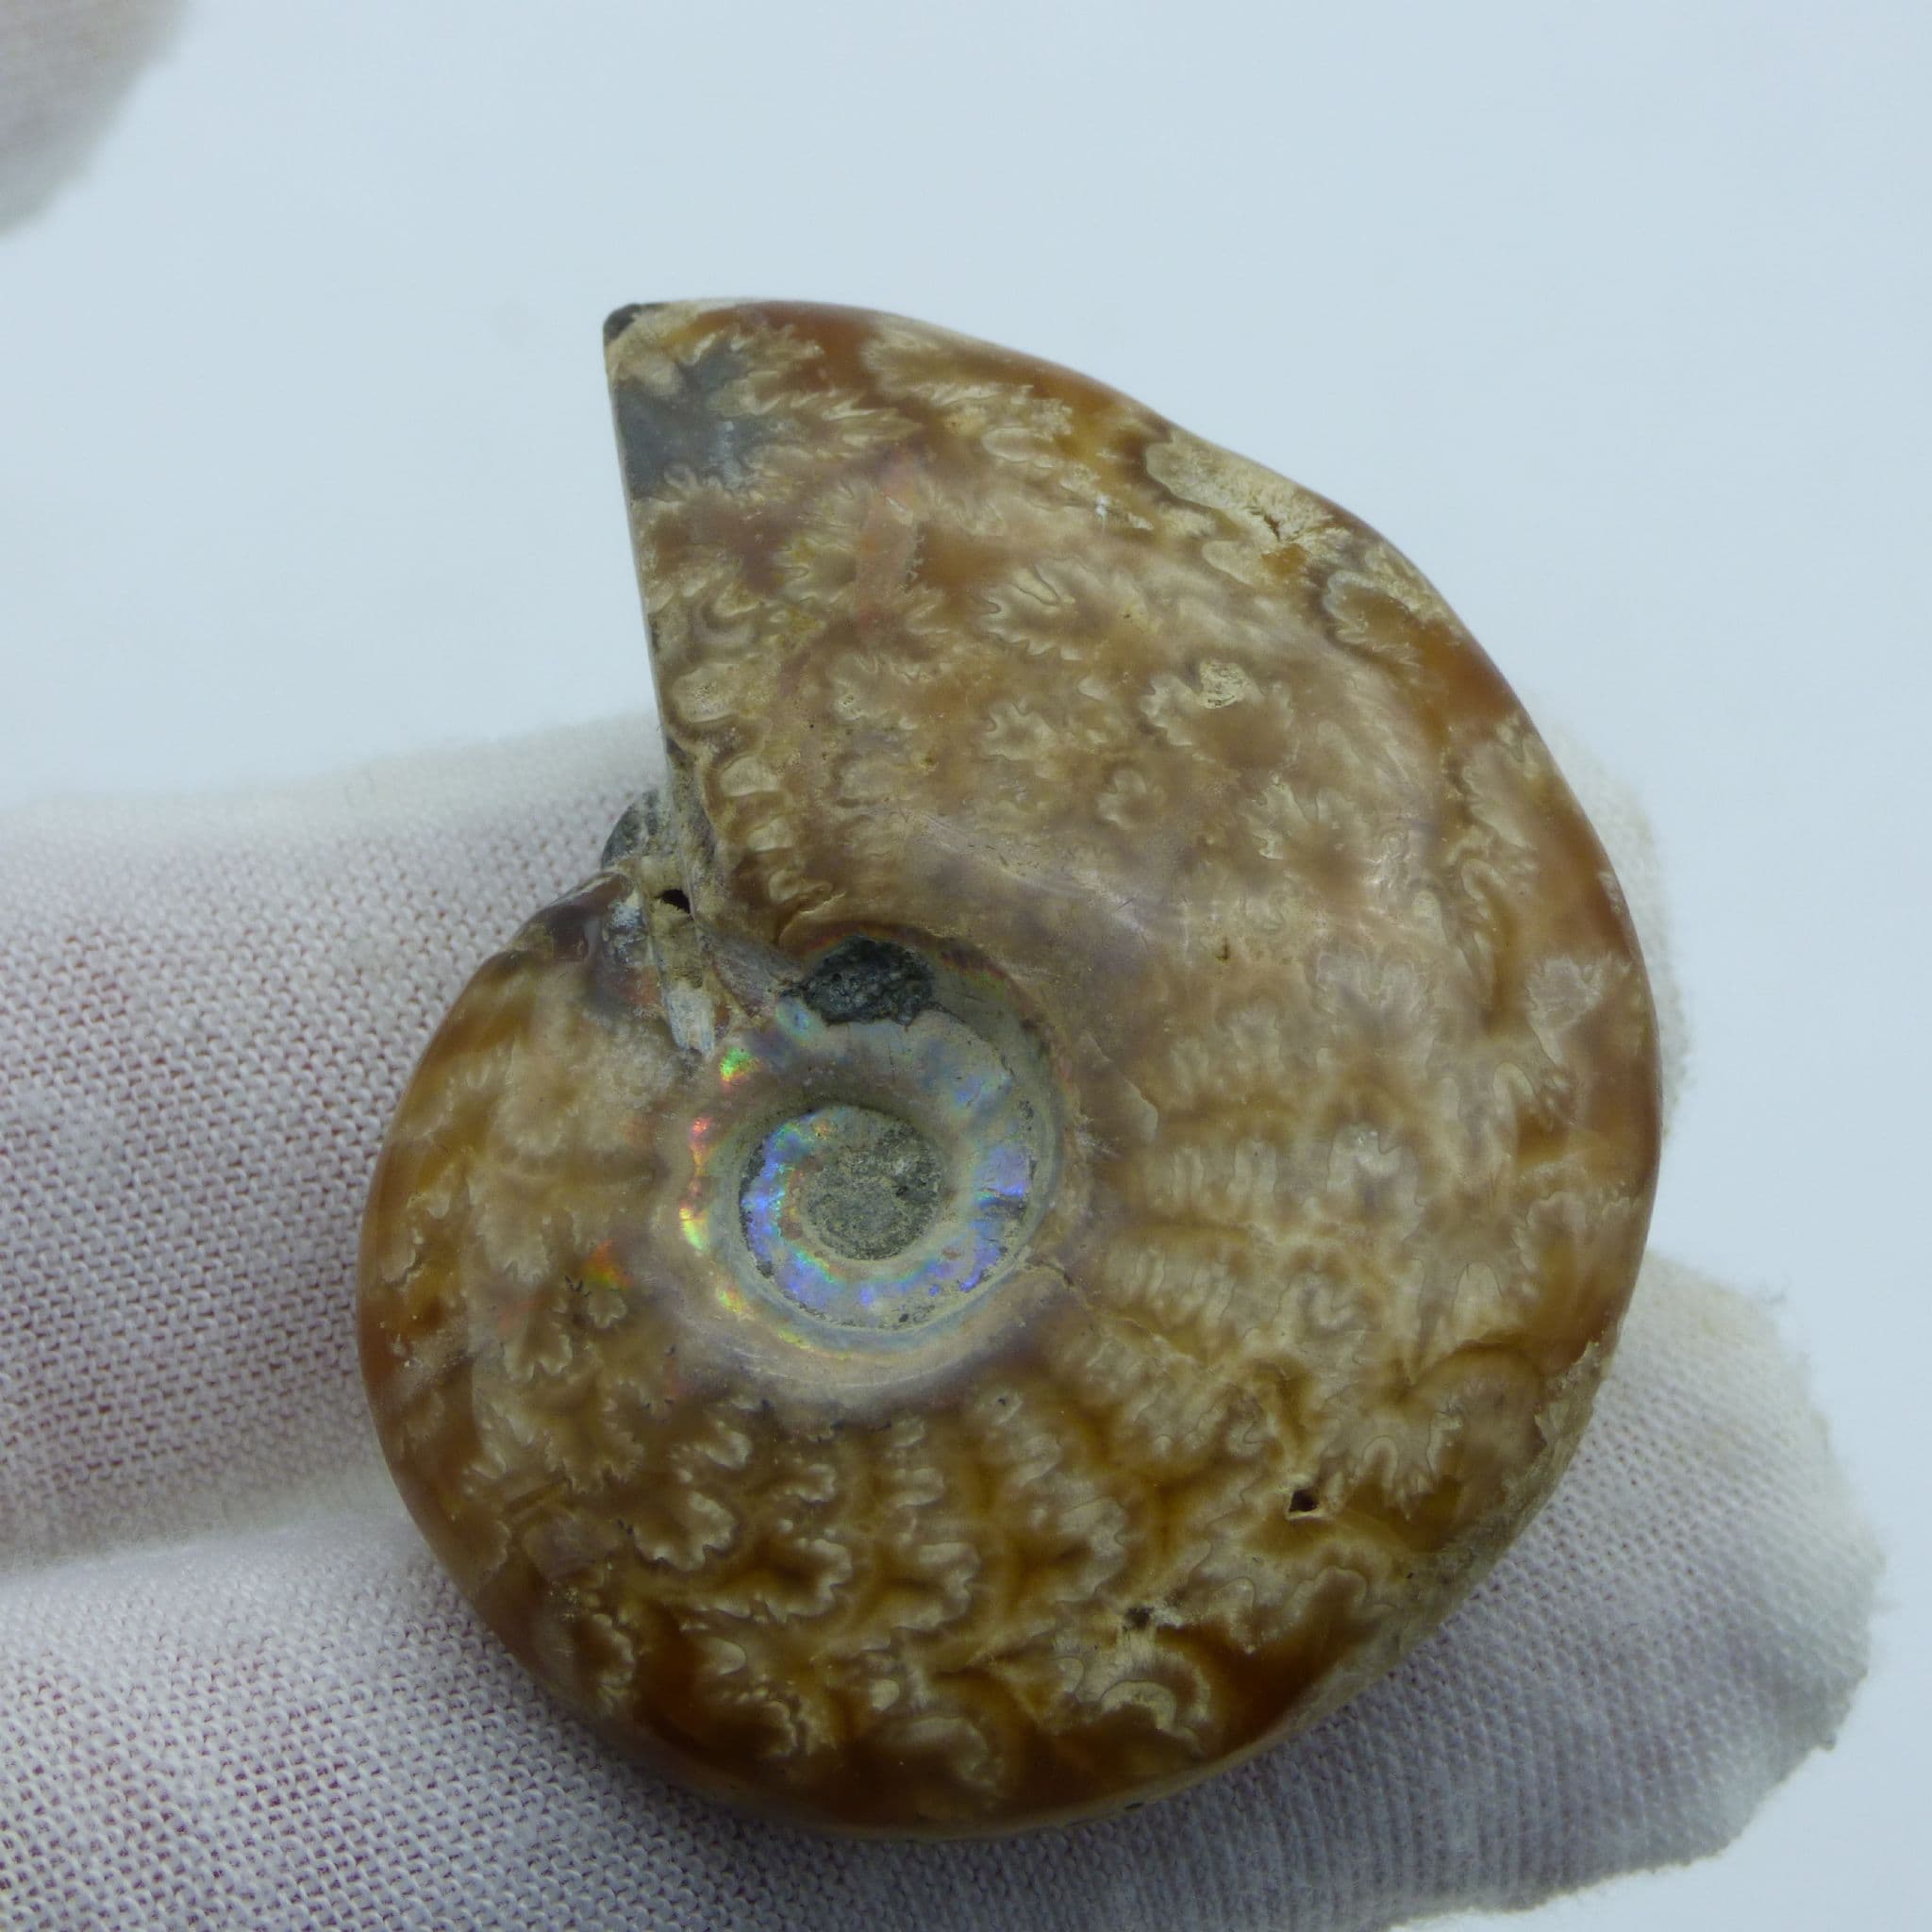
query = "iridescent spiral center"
x=881 y=1148
x=849 y=1178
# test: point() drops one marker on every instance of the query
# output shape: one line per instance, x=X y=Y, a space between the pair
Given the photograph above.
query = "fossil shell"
x=1069 y=1185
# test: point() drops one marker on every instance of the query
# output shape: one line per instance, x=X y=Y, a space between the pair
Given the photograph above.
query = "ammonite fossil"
x=1067 y=1186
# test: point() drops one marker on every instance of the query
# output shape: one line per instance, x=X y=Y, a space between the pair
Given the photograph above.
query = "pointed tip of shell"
x=621 y=319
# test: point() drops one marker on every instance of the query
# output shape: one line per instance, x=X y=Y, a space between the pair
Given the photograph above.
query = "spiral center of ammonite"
x=867 y=1185
x=881 y=1148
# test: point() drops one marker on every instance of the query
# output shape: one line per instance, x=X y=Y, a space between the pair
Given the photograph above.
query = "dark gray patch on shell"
x=868 y=980
x=682 y=432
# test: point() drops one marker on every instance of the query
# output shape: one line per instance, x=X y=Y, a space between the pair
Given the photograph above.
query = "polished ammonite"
x=1068 y=1185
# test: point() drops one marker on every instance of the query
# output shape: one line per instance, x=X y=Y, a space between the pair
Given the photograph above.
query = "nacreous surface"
x=1068 y=1186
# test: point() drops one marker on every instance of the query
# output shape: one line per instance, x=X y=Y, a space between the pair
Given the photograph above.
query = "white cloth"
x=64 y=66
x=236 y=1689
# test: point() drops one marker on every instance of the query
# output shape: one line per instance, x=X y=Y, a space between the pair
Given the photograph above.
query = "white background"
x=1615 y=319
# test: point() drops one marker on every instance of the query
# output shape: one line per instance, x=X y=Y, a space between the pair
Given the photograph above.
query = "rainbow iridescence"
x=804 y=1115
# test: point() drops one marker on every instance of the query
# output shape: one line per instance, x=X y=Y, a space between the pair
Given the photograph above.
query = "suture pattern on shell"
x=1226 y=848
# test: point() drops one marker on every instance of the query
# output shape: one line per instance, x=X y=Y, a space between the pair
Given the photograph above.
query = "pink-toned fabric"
x=235 y=1691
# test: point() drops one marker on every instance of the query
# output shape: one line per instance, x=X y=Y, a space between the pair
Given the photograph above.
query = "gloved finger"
x=64 y=67
x=304 y=1727
x=212 y=1006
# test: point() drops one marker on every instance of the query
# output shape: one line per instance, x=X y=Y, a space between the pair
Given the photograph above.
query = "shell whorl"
x=1071 y=1188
